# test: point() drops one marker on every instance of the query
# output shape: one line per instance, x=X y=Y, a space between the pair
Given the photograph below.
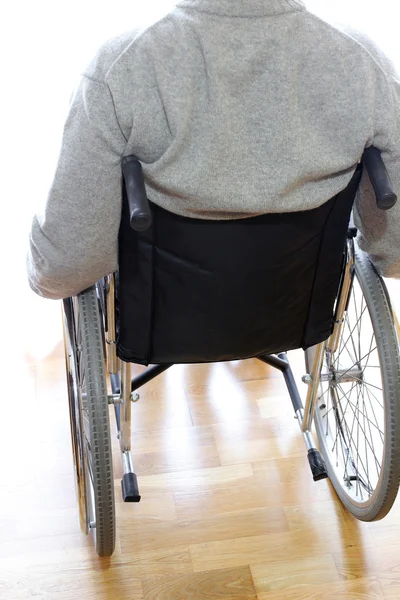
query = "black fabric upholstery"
x=192 y=290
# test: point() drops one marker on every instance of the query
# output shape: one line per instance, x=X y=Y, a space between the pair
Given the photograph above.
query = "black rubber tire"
x=378 y=305
x=93 y=412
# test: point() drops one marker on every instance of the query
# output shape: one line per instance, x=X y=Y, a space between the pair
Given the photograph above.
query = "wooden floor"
x=229 y=509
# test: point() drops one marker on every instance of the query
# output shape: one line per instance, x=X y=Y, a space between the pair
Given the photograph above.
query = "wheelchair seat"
x=193 y=290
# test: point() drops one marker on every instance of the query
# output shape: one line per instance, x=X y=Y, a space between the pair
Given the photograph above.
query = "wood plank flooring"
x=229 y=509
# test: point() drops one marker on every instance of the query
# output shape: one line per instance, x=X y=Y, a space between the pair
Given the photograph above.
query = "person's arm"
x=74 y=242
x=379 y=231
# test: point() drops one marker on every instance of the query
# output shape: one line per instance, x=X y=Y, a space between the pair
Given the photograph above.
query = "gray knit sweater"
x=235 y=108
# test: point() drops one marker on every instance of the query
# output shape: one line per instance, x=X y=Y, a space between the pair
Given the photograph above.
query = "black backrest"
x=193 y=290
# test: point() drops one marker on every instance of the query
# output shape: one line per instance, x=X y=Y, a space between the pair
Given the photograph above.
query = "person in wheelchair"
x=235 y=108
x=212 y=161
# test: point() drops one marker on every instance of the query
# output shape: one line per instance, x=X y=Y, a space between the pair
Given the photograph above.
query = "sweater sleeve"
x=379 y=231
x=74 y=242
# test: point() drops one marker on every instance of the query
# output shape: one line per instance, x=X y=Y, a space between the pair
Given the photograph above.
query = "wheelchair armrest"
x=139 y=209
x=386 y=197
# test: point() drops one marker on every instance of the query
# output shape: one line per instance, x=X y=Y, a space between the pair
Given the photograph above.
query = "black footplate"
x=130 y=488
x=317 y=464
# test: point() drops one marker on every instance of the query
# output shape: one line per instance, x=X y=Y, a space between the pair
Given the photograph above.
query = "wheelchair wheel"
x=357 y=416
x=89 y=415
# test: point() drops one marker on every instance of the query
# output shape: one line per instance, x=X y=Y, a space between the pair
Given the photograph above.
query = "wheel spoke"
x=344 y=345
x=352 y=367
x=340 y=435
x=375 y=398
x=371 y=385
x=350 y=334
x=370 y=351
x=355 y=409
x=375 y=425
x=350 y=447
x=373 y=412
x=359 y=461
x=341 y=398
x=369 y=422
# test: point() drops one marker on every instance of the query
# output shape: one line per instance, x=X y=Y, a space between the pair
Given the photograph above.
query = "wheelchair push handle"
x=386 y=197
x=139 y=209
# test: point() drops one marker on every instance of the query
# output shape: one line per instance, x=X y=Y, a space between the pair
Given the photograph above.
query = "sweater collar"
x=244 y=8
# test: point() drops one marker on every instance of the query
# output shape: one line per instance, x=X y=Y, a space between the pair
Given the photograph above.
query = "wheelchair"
x=198 y=291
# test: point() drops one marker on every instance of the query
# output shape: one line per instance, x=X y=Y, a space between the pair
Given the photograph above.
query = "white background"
x=44 y=46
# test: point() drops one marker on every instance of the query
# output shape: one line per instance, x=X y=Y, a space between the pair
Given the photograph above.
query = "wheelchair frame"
x=124 y=387
x=124 y=391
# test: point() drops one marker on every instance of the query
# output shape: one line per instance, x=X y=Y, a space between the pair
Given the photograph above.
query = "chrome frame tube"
x=312 y=392
x=307 y=435
x=333 y=341
x=127 y=462
x=111 y=337
x=125 y=432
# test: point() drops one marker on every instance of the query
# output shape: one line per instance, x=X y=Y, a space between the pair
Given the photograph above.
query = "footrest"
x=130 y=488
x=317 y=464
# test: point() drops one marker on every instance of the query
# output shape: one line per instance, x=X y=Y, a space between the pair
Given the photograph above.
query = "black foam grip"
x=386 y=197
x=139 y=209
